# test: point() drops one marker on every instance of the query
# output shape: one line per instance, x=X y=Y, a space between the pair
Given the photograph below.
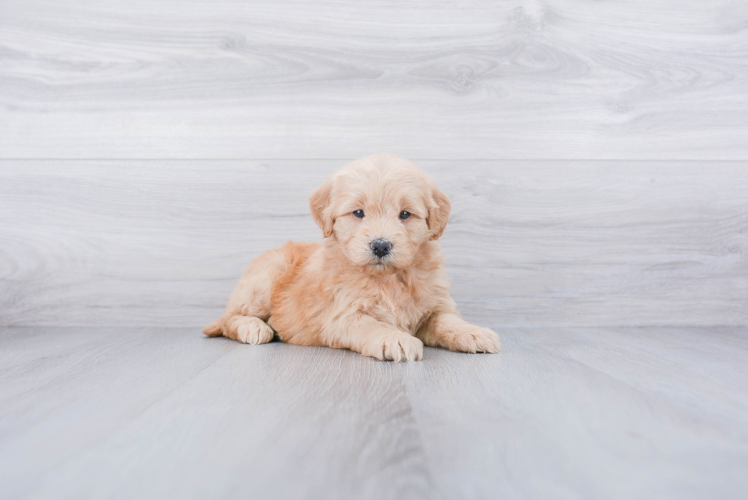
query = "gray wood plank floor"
x=560 y=413
x=519 y=79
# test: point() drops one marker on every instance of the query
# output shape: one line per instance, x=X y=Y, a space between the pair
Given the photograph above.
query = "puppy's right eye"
x=359 y=214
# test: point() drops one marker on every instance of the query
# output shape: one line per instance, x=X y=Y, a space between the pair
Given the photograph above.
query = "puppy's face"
x=380 y=210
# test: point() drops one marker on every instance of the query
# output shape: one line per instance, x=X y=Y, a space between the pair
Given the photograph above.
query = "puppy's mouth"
x=381 y=263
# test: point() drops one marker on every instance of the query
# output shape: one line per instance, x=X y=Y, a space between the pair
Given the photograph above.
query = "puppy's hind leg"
x=249 y=306
x=213 y=329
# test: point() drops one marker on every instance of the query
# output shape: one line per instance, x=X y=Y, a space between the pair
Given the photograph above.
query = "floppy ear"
x=438 y=212
x=319 y=203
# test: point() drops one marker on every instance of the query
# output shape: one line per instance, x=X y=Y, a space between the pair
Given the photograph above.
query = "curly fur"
x=338 y=293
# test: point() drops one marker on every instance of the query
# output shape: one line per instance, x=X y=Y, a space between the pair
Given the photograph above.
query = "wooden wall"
x=596 y=153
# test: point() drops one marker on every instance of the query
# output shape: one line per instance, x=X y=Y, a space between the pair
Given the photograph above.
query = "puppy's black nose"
x=380 y=248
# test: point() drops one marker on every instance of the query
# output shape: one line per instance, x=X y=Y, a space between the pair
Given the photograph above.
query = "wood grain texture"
x=150 y=150
x=519 y=79
x=162 y=412
x=589 y=413
x=556 y=243
x=560 y=413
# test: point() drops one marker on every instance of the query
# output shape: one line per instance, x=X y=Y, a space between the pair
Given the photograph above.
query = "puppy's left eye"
x=359 y=214
x=404 y=215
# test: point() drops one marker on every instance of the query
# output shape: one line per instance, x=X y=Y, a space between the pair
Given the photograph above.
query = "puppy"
x=375 y=285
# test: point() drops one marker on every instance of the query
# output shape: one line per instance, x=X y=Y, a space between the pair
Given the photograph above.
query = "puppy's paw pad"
x=254 y=331
x=397 y=347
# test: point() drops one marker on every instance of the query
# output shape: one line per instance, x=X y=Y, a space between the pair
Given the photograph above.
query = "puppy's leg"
x=249 y=306
x=452 y=332
x=375 y=339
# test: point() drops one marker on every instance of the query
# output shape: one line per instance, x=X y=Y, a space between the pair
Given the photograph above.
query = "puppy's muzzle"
x=380 y=247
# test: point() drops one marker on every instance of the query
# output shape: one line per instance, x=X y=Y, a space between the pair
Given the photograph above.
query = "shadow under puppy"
x=375 y=285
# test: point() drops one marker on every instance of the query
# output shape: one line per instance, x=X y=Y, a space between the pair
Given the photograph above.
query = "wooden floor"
x=560 y=413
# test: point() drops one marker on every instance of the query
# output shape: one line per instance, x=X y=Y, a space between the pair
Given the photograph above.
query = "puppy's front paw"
x=473 y=338
x=396 y=346
x=254 y=331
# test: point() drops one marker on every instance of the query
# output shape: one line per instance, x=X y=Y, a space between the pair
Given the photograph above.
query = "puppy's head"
x=380 y=209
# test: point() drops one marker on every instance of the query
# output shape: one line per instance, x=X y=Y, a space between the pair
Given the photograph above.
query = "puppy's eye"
x=359 y=214
x=404 y=215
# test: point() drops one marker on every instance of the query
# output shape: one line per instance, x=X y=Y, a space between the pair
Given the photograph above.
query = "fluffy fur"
x=338 y=293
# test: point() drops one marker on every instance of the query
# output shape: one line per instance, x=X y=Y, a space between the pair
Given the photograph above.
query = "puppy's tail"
x=213 y=329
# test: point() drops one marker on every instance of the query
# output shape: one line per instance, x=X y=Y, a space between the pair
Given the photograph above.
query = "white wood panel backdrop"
x=530 y=242
x=478 y=79
x=150 y=149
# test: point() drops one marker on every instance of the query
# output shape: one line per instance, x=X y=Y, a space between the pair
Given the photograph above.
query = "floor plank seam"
x=433 y=488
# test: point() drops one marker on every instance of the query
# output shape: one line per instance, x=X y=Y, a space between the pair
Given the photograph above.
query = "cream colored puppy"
x=375 y=285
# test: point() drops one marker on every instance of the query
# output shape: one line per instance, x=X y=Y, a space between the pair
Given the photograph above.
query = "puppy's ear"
x=320 y=202
x=438 y=212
